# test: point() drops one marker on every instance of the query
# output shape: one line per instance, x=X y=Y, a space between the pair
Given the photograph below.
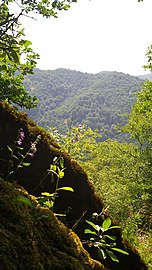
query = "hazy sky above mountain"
x=94 y=36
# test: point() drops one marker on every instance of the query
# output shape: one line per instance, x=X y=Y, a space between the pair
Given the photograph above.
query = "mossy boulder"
x=35 y=180
x=83 y=199
x=32 y=238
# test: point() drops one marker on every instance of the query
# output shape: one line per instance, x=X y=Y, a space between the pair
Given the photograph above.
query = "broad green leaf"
x=106 y=224
x=96 y=227
x=89 y=231
x=120 y=250
x=27 y=43
x=24 y=200
x=112 y=255
x=66 y=188
x=15 y=56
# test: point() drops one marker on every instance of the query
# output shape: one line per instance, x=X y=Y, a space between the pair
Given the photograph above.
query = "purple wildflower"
x=33 y=148
x=31 y=154
x=20 y=137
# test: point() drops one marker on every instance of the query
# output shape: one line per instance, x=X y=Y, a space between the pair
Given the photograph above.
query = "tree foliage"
x=140 y=124
x=17 y=57
x=121 y=173
x=95 y=100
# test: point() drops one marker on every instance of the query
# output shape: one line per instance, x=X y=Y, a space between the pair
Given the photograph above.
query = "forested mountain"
x=72 y=98
x=146 y=76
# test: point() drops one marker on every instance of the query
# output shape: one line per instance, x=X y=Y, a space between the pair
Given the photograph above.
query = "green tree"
x=17 y=58
x=140 y=119
x=79 y=141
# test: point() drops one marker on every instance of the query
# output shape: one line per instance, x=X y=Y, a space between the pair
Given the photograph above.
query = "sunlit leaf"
x=114 y=227
x=96 y=227
x=47 y=194
x=120 y=250
x=66 y=188
x=106 y=224
x=89 y=231
x=27 y=43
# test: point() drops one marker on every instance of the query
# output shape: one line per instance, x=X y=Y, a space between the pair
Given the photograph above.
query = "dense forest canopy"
x=69 y=98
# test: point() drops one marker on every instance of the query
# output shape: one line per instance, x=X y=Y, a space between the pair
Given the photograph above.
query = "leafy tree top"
x=17 y=57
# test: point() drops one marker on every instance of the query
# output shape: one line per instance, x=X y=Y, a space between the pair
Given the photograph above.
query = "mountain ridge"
x=95 y=100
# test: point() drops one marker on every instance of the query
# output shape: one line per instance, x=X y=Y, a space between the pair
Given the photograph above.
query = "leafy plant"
x=48 y=199
x=17 y=154
x=56 y=169
x=104 y=242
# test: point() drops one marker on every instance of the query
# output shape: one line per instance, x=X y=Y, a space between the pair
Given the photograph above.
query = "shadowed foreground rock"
x=82 y=200
x=32 y=238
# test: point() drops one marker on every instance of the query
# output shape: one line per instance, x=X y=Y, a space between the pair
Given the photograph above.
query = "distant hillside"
x=73 y=98
x=146 y=76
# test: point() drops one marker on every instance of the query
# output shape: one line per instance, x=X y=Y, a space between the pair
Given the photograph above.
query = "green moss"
x=32 y=238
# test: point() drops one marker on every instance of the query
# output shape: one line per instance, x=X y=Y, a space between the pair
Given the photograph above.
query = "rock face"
x=35 y=179
x=32 y=238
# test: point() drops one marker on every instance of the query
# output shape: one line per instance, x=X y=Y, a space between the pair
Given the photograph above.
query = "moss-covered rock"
x=32 y=238
x=82 y=200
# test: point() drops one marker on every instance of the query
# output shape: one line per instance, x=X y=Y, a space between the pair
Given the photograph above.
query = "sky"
x=94 y=36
